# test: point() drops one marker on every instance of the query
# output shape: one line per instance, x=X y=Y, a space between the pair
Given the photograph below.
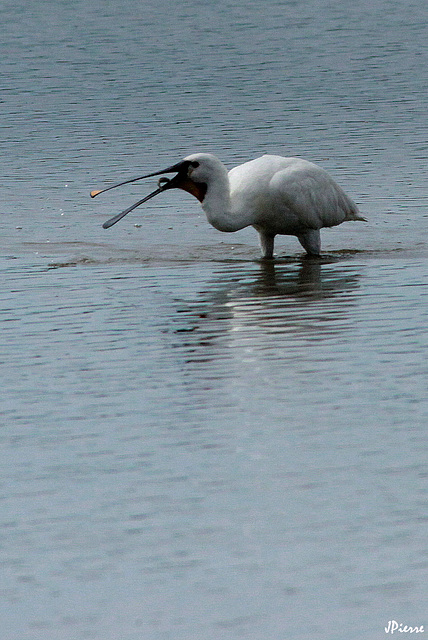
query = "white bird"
x=275 y=195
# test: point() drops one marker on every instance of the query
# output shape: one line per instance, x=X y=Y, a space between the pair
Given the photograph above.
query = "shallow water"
x=198 y=445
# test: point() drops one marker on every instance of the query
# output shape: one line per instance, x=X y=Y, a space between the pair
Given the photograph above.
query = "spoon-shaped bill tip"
x=95 y=192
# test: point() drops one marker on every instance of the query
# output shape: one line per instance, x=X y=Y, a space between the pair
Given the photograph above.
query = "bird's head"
x=193 y=175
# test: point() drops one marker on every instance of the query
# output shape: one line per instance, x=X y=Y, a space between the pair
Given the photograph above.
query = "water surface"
x=197 y=445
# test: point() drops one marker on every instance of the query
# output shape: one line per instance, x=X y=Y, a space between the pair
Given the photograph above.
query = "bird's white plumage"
x=276 y=195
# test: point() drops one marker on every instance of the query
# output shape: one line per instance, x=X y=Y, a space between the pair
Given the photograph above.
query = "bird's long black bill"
x=122 y=214
x=175 y=168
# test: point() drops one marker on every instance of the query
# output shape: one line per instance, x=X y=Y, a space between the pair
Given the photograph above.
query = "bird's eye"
x=194 y=164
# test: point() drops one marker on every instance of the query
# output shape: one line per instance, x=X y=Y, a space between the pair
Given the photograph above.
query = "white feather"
x=276 y=195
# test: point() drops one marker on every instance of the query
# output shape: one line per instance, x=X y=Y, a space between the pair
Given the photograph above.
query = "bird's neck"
x=218 y=206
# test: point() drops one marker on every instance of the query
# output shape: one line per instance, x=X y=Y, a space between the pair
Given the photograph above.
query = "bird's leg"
x=311 y=242
x=266 y=244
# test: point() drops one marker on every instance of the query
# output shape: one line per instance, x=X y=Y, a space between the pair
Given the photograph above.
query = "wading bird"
x=275 y=195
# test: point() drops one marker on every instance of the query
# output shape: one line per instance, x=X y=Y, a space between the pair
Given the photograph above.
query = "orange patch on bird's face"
x=197 y=189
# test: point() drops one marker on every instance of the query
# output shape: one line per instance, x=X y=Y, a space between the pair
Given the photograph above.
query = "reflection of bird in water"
x=275 y=195
x=307 y=300
x=279 y=282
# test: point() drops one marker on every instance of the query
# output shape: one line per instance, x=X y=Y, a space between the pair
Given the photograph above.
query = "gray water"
x=197 y=445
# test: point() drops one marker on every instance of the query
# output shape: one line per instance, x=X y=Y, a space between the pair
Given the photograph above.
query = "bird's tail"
x=354 y=214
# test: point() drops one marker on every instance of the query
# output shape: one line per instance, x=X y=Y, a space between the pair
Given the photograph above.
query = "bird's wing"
x=312 y=196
